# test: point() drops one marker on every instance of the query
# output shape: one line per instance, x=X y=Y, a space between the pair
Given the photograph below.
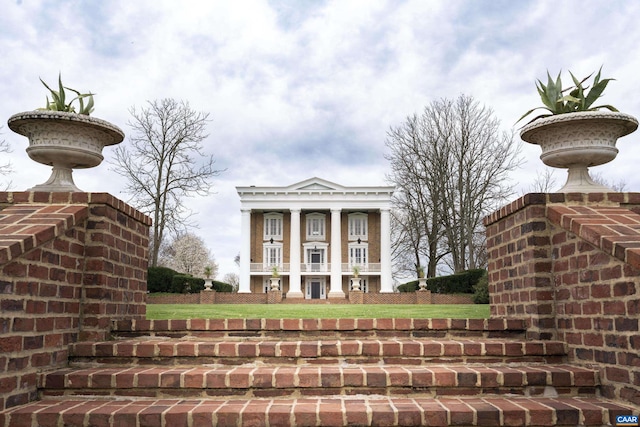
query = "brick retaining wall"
x=569 y=264
x=70 y=263
x=213 y=297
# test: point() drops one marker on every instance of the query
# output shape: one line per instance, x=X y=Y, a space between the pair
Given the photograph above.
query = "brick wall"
x=569 y=264
x=213 y=297
x=69 y=264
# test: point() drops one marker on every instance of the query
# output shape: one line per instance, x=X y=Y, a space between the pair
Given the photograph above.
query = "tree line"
x=449 y=164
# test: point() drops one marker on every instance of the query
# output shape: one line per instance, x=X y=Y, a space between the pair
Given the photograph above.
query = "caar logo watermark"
x=627 y=420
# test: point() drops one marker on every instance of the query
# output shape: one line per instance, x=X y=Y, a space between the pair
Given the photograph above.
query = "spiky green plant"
x=58 y=102
x=557 y=101
x=356 y=270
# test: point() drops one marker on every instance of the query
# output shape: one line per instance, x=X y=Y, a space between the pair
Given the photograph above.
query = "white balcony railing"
x=346 y=268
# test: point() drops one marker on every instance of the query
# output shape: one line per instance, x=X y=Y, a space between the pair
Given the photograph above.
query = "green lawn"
x=308 y=311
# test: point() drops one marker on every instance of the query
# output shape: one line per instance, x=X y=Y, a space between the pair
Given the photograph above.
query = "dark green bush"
x=160 y=279
x=222 y=286
x=459 y=283
x=408 y=287
x=186 y=284
x=481 y=290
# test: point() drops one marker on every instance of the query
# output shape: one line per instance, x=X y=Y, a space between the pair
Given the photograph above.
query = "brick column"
x=569 y=264
x=70 y=264
x=520 y=277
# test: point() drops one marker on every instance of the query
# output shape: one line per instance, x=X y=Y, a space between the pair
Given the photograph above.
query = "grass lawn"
x=308 y=311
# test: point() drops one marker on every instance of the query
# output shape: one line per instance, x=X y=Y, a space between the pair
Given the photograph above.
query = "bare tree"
x=450 y=166
x=545 y=182
x=233 y=279
x=415 y=156
x=188 y=254
x=5 y=169
x=164 y=163
x=616 y=186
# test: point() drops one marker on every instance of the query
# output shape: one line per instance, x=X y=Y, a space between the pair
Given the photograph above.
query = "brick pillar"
x=356 y=297
x=70 y=263
x=423 y=297
x=115 y=279
x=274 y=297
x=570 y=265
x=520 y=257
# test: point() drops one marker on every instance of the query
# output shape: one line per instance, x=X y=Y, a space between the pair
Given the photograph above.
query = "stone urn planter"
x=65 y=141
x=422 y=284
x=355 y=283
x=208 y=284
x=577 y=141
x=275 y=283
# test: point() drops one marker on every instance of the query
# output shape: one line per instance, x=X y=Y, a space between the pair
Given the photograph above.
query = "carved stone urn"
x=275 y=283
x=65 y=141
x=577 y=141
x=355 y=283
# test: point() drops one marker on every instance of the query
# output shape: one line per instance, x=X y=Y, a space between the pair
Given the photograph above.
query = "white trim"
x=315 y=226
x=363 y=226
x=363 y=258
x=316 y=247
x=272 y=254
x=245 y=252
x=267 y=225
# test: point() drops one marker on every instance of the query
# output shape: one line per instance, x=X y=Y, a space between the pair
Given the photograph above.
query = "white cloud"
x=306 y=88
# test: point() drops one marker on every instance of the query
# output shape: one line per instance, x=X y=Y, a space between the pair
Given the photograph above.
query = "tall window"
x=273 y=226
x=272 y=254
x=315 y=226
x=358 y=254
x=358 y=226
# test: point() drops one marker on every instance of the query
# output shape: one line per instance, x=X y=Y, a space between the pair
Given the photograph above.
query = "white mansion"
x=314 y=233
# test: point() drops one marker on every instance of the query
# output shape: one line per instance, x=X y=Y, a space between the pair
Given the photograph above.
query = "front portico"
x=314 y=233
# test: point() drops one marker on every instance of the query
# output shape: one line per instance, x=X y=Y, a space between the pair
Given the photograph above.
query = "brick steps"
x=270 y=381
x=318 y=411
x=172 y=351
x=351 y=372
x=302 y=329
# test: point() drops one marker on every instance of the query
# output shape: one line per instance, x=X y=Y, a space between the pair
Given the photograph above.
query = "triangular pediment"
x=315 y=184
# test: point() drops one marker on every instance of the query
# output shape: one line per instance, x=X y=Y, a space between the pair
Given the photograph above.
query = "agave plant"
x=356 y=270
x=58 y=102
x=557 y=101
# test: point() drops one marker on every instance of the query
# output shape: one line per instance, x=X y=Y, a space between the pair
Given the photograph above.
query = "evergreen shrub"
x=459 y=283
x=160 y=279
x=186 y=284
x=481 y=290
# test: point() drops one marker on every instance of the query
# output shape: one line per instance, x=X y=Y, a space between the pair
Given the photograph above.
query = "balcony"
x=285 y=268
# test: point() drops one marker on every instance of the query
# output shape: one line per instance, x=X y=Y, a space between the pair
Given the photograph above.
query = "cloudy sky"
x=305 y=88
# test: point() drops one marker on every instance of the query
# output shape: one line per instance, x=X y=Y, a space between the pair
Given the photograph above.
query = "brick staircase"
x=318 y=372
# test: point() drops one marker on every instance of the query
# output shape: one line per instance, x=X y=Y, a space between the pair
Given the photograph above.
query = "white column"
x=386 y=284
x=336 y=256
x=245 y=252
x=294 y=256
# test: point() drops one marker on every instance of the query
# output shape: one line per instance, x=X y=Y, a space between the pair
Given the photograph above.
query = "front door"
x=315 y=290
x=316 y=260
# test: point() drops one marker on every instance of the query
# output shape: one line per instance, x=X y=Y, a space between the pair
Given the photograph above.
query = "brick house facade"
x=314 y=232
